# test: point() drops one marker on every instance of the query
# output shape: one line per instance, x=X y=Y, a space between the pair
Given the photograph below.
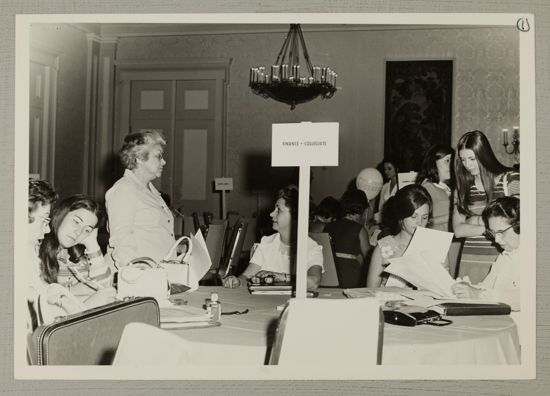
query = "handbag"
x=177 y=269
x=143 y=277
x=409 y=315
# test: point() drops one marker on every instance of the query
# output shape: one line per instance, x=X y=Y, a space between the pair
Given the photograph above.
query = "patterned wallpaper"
x=486 y=92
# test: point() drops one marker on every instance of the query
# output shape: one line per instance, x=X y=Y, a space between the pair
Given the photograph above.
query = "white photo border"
x=527 y=368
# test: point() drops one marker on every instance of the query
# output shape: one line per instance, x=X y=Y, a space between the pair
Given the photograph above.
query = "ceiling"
x=169 y=29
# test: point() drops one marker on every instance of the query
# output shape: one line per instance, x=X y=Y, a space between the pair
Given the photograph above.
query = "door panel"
x=188 y=111
x=196 y=166
x=151 y=100
x=151 y=108
x=41 y=119
x=195 y=100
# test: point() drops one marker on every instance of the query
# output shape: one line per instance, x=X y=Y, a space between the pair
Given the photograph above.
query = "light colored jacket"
x=140 y=223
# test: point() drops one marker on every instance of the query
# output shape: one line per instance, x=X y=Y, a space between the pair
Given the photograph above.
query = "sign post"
x=304 y=145
x=223 y=184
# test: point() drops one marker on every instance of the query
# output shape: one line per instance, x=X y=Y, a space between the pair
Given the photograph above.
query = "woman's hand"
x=101 y=297
x=181 y=249
x=232 y=282
x=465 y=290
x=90 y=242
x=61 y=297
x=475 y=220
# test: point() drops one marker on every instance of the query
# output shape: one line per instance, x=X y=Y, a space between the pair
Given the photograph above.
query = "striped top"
x=507 y=184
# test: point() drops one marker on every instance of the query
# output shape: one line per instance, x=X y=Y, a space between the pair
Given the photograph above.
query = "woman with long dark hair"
x=409 y=208
x=480 y=178
x=435 y=177
x=72 y=268
x=276 y=254
x=70 y=253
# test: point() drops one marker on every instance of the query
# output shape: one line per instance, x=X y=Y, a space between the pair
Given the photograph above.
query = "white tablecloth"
x=245 y=339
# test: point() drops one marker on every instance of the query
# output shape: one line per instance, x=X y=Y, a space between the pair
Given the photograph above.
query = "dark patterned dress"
x=350 y=267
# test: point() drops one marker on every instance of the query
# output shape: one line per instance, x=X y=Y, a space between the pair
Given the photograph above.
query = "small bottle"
x=214 y=307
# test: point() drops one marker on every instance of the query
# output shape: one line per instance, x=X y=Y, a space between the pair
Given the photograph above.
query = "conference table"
x=246 y=339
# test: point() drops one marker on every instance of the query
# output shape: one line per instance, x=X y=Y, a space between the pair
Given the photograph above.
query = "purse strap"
x=182 y=258
x=439 y=322
x=144 y=260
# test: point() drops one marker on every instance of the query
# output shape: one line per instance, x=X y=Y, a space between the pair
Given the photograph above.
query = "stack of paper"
x=180 y=316
x=421 y=264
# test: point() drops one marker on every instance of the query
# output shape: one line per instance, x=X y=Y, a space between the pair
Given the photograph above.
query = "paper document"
x=437 y=243
x=200 y=261
x=178 y=315
x=421 y=264
x=424 y=272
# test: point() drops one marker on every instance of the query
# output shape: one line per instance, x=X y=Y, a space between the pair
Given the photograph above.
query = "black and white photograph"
x=275 y=196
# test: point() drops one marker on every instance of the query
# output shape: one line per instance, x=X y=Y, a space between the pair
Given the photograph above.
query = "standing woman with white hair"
x=140 y=222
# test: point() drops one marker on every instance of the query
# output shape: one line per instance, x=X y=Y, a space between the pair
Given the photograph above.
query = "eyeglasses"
x=45 y=221
x=493 y=234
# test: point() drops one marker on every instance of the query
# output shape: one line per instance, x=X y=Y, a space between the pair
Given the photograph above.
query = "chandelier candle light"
x=284 y=82
x=514 y=142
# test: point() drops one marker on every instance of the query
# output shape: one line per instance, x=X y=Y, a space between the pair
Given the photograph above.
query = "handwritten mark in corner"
x=523 y=25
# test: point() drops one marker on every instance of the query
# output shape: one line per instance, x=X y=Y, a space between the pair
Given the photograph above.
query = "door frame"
x=49 y=59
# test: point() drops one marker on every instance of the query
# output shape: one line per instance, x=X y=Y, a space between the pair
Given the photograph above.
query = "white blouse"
x=273 y=255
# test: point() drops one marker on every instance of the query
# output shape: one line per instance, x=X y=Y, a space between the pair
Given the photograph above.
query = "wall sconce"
x=514 y=142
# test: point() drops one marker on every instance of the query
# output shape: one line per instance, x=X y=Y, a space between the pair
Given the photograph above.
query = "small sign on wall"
x=305 y=144
x=223 y=183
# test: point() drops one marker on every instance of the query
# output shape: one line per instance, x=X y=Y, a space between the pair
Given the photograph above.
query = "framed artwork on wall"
x=418 y=109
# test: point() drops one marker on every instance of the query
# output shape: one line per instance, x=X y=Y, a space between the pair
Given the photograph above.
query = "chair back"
x=250 y=237
x=234 y=248
x=329 y=333
x=188 y=226
x=196 y=221
x=330 y=276
x=145 y=345
x=215 y=241
x=208 y=217
x=406 y=178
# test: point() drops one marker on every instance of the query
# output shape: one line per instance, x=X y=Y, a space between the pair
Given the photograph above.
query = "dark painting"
x=418 y=109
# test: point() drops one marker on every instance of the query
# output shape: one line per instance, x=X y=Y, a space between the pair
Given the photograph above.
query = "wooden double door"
x=188 y=107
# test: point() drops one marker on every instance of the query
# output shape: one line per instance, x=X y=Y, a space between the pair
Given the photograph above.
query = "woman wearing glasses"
x=140 y=222
x=501 y=218
x=41 y=198
x=480 y=178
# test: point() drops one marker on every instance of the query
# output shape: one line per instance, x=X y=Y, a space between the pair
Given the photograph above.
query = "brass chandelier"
x=284 y=82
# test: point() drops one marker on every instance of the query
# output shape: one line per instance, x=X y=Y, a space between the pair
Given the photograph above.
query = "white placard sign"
x=305 y=143
x=223 y=183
